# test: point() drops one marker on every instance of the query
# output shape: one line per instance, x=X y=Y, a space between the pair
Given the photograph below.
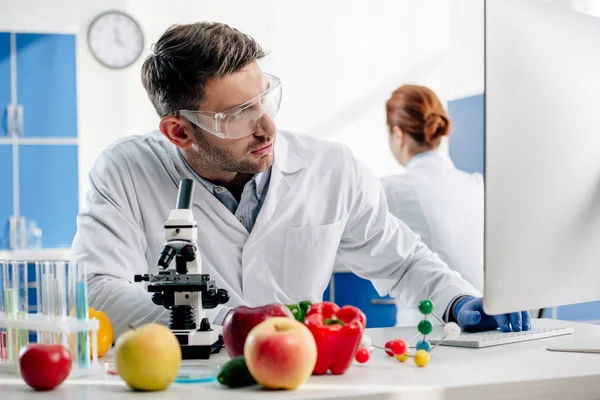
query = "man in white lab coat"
x=275 y=210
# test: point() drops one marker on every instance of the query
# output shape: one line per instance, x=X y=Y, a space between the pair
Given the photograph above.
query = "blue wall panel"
x=5 y=90
x=327 y=293
x=353 y=290
x=46 y=84
x=6 y=193
x=49 y=194
x=580 y=312
x=466 y=136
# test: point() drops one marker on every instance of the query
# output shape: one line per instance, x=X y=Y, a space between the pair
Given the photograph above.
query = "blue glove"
x=470 y=316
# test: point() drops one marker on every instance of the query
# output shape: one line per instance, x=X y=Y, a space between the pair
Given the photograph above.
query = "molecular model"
x=397 y=348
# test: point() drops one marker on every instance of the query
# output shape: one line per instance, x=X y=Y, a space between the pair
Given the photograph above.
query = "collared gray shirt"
x=251 y=201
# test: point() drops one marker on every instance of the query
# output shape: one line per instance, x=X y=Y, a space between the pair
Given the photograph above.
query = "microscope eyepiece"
x=185 y=194
x=166 y=256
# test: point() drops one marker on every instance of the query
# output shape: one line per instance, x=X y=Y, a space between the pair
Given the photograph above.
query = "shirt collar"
x=207 y=184
x=261 y=180
x=423 y=157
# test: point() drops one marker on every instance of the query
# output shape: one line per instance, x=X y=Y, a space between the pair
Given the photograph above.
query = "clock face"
x=115 y=39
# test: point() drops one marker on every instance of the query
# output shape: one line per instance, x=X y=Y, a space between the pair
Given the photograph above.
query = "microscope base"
x=200 y=352
x=199 y=345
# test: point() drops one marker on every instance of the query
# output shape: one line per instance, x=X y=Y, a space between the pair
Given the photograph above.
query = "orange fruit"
x=105 y=332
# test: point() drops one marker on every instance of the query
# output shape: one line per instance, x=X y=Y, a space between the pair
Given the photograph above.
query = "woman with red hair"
x=439 y=202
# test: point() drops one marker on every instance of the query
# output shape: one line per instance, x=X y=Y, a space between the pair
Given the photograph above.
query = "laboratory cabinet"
x=38 y=139
x=6 y=195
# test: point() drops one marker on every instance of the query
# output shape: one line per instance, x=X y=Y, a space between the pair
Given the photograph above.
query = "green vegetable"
x=235 y=374
x=296 y=311
x=299 y=310
x=304 y=306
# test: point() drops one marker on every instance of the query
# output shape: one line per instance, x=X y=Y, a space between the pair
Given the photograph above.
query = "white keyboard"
x=495 y=338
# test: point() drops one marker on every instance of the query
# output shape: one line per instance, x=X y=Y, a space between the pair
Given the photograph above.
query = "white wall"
x=338 y=60
x=590 y=7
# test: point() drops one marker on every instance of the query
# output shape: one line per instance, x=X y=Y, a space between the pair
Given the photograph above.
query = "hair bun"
x=436 y=125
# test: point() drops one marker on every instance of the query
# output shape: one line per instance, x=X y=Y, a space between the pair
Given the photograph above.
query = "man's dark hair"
x=187 y=56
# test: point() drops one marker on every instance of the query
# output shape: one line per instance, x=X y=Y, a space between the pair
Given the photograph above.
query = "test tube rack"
x=67 y=328
x=58 y=316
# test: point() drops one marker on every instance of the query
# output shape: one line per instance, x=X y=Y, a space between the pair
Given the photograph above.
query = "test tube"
x=2 y=330
x=61 y=295
x=61 y=273
x=40 y=287
x=78 y=301
x=22 y=299
x=57 y=302
x=38 y=295
x=45 y=297
x=10 y=280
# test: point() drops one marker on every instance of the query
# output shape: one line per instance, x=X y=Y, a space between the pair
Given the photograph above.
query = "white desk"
x=517 y=371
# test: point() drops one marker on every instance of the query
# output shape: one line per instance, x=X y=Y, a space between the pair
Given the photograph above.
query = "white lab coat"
x=444 y=206
x=322 y=206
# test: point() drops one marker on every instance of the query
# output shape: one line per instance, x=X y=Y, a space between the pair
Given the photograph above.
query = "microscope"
x=185 y=290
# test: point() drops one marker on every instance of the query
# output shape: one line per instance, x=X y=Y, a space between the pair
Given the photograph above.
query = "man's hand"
x=469 y=315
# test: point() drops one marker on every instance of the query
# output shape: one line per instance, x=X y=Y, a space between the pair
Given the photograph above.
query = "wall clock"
x=115 y=39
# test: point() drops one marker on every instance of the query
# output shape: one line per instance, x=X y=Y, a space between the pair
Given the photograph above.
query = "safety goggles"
x=241 y=120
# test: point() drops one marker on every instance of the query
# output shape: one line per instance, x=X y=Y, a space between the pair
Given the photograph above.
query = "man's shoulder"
x=133 y=154
x=396 y=180
x=399 y=186
x=135 y=144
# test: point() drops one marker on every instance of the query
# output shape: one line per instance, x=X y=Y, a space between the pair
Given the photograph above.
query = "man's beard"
x=223 y=159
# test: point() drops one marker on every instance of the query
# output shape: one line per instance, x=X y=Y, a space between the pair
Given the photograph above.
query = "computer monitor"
x=542 y=156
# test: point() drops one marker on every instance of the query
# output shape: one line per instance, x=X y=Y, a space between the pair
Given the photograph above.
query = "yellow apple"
x=148 y=357
x=281 y=353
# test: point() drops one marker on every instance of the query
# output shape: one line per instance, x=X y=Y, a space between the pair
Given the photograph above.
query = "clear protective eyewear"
x=242 y=120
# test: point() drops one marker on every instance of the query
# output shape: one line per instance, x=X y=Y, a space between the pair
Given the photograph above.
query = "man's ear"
x=177 y=130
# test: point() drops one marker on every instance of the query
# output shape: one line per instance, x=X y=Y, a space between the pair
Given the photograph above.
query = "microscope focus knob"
x=141 y=278
x=158 y=298
x=222 y=296
x=188 y=253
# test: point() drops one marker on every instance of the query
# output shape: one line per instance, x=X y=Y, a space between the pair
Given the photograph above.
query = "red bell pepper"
x=337 y=332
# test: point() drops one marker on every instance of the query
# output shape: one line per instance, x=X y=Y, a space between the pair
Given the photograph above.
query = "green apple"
x=148 y=357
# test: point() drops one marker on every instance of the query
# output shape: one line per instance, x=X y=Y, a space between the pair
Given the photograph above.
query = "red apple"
x=241 y=320
x=281 y=353
x=44 y=366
